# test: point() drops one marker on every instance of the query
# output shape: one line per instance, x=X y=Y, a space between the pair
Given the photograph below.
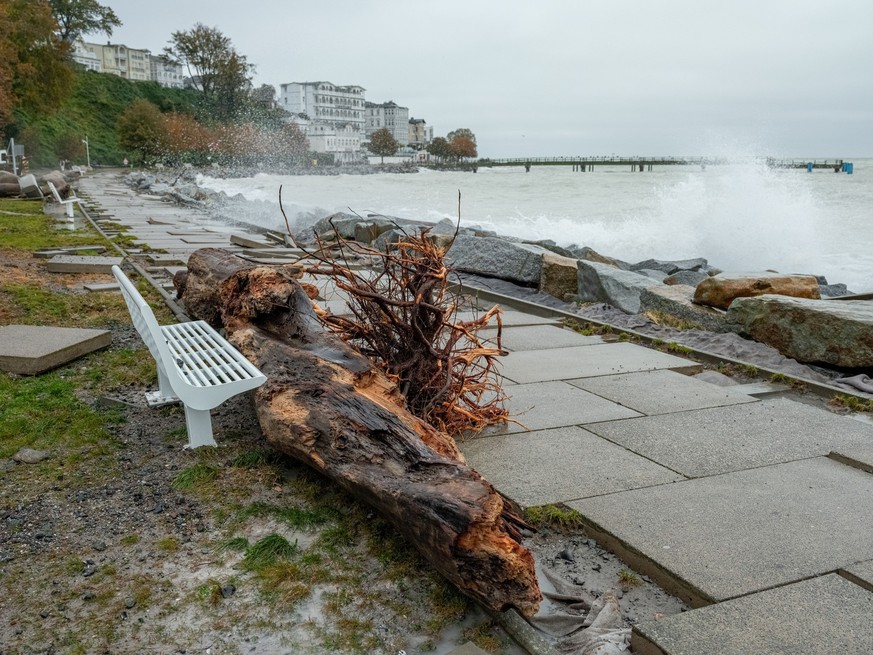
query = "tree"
x=216 y=68
x=141 y=129
x=35 y=74
x=383 y=143
x=462 y=146
x=462 y=143
x=78 y=17
x=439 y=147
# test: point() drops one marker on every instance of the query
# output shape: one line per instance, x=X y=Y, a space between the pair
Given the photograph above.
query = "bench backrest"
x=54 y=191
x=141 y=313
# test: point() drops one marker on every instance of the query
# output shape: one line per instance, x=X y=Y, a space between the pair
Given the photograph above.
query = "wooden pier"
x=837 y=165
x=583 y=164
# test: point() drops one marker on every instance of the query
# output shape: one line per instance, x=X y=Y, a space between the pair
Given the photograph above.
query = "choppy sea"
x=741 y=216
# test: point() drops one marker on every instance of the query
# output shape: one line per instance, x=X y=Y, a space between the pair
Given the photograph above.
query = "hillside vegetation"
x=93 y=110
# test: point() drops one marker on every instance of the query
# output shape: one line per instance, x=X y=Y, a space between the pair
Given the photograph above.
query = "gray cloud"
x=563 y=77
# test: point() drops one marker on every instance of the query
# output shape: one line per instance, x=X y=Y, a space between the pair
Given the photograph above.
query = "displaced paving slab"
x=32 y=349
x=861 y=574
x=860 y=457
x=588 y=361
x=560 y=465
x=509 y=318
x=723 y=439
x=662 y=392
x=717 y=538
x=541 y=405
x=82 y=264
x=538 y=337
x=815 y=617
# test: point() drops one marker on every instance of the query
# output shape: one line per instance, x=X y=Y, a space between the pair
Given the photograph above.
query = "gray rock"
x=30 y=456
x=343 y=222
x=129 y=603
x=690 y=278
x=388 y=238
x=621 y=289
x=835 y=332
x=496 y=257
x=675 y=300
x=368 y=231
x=591 y=255
x=670 y=267
x=833 y=290
x=228 y=590
x=160 y=188
x=652 y=273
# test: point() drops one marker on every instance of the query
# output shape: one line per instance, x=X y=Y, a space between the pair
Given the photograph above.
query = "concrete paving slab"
x=661 y=392
x=716 y=538
x=589 y=361
x=541 y=405
x=814 y=617
x=559 y=465
x=96 y=288
x=859 y=457
x=723 y=439
x=68 y=250
x=510 y=318
x=82 y=264
x=209 y=239
x=32 y=349
x=538 y=337
x=861 y=574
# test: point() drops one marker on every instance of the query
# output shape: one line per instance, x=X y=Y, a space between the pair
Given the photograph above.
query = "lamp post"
x=87 y=150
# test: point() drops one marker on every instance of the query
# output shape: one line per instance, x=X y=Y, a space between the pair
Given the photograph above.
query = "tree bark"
x=326 y=405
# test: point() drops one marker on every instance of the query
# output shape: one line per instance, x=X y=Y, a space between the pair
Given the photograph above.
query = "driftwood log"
x=326 y=405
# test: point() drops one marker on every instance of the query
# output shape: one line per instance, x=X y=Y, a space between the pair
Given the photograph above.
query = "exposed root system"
x=404 y=318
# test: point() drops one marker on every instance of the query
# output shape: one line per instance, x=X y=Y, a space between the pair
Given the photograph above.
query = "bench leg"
x=164 y=395
x=199 y=424
x=69 y=209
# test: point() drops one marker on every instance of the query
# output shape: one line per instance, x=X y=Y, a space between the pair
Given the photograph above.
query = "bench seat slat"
x=209 y=359
x=217 y=350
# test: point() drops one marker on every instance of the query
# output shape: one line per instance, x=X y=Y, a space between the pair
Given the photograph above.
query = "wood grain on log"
x=326 y=405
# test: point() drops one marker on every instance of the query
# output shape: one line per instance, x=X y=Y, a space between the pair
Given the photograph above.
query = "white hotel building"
x=333 y=116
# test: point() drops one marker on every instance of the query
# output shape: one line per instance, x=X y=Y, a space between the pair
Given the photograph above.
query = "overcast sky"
x=570 y=77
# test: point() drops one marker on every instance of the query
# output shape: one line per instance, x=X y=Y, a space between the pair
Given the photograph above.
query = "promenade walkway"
x=755 y=509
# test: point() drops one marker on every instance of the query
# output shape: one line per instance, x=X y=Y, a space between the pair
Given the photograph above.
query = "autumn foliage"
x=174 y=138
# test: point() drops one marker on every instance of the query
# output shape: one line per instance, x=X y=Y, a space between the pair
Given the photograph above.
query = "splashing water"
x=741 y=217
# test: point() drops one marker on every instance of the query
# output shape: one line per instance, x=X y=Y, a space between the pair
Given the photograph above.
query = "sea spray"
x=741 y=216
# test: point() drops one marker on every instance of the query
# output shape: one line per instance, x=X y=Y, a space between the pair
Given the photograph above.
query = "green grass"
x=44 y=413
x=852 y=403
x=751 y=370
x=38 y=306
x=30 y=229
x=254 y=458
x=674 y=347
x=195 y=476
x=628 y=579
x=553 y=515
x=295 y=517
x=268 y=551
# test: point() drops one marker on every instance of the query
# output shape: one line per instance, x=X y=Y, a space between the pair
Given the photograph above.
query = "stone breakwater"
x=784 y=311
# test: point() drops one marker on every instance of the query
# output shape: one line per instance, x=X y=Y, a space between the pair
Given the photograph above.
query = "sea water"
x=741 y=216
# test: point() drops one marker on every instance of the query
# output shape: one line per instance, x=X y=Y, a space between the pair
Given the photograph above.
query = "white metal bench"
x=196 y=365
x=68 y=203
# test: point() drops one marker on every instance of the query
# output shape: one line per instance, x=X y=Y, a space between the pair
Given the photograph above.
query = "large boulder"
x=836 y=332
x=621 y=289
x=559 y=276
x=721 y=290
x=689 y=278
x=675 y=300
x=501 y=258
